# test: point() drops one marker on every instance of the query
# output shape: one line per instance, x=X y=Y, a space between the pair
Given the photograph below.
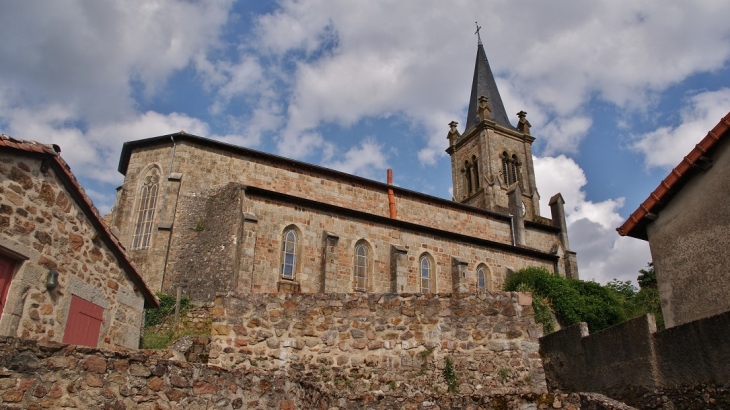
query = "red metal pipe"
x=391 y=195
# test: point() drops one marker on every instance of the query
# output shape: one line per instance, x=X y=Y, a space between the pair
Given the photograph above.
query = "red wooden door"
x=7 y=266
x=84 y=322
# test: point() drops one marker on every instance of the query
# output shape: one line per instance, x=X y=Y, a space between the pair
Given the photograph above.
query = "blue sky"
x=616 y=91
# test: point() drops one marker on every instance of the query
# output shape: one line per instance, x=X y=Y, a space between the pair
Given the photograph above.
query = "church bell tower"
x=492 y=160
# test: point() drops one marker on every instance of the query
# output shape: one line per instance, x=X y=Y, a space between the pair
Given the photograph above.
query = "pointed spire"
x=483 y=84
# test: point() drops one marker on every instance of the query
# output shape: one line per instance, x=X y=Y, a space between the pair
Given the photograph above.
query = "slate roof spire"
x=484 y=84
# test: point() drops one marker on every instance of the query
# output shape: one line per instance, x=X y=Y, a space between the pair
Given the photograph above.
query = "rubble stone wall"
x=367 y=343
x=44 y=375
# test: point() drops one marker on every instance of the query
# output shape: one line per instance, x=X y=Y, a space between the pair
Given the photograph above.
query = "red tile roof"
x=635 y=226
x=62 y=169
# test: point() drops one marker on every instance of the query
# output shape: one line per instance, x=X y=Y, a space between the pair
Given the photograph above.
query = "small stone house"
x=64 y=276
x=687 y=223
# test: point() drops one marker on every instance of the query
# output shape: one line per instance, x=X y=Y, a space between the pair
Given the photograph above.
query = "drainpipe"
x=391 y=195
x=512 y=228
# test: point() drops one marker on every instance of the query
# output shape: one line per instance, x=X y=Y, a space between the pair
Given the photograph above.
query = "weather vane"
x=479 y=37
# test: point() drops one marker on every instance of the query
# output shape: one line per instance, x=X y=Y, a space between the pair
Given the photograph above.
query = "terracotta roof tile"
x=635 y=225
x=73 y=185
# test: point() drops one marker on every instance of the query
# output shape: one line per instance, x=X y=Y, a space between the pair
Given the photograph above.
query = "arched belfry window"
x=289 y=253
x=467 y=174
x=510 y=168
x=361 y=267
x=514 y=176
x=481 y=279
x=426 y=275
x=146 y=209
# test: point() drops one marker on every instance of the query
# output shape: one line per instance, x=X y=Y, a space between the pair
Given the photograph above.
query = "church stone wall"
x=379 y=342
x=196 y=168
x=229 y=239
x=43 y=229
x=274 y=217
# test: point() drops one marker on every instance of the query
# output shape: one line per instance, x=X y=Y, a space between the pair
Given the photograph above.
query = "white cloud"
x=87 y=54
x=363 y=160
x=602 y=254
x=564 y=134
x=666 y=146
x=348 y=68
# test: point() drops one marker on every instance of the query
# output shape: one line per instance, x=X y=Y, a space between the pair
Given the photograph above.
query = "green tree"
x=647 y=279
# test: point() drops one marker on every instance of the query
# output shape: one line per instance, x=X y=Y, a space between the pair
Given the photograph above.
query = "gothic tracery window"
x=146 y=209
x=289 y=254
x=361 y=267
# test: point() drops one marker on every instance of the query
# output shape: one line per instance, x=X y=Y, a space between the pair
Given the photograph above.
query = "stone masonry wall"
x=43 y=229
x=369 y=343
x=203 y=251
x=42 y=375
x=275 y=216
x=199 y=167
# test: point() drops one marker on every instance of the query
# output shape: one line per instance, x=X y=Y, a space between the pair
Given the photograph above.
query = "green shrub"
x=571 y=300
x=450 y=375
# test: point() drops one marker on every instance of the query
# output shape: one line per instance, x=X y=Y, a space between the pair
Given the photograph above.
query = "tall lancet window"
x=467 y=174
x=426 y=275
x=505 y=168
x=510 y=168
x=361 y=268
x=289 y=254
x=481 y=280
x=146 y=209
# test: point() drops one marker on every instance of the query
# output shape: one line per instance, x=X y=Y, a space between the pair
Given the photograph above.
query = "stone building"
x=209 y=217
x=63 y=276
x=687 y=224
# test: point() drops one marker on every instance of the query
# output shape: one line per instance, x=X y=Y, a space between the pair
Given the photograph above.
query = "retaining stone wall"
x=389 y=343
x=40 y=375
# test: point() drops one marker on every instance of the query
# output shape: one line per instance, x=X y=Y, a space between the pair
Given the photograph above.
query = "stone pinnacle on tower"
x=483 y=84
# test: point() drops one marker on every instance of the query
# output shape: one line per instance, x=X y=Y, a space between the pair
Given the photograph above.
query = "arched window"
x=481 y=280
x=361 y=267
x=467 y=173
x=510 y=168
x=289 y=254
x=426 y=275
x=146 y=209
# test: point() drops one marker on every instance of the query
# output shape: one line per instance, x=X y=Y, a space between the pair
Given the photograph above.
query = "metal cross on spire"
x=479 y=37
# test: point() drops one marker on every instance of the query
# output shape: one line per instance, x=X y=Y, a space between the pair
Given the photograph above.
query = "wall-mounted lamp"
x=52 y=279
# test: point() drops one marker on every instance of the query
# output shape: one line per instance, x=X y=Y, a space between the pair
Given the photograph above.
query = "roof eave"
x=635 y=225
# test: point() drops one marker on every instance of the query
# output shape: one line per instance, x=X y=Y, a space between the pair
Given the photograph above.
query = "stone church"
x=213 y=217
